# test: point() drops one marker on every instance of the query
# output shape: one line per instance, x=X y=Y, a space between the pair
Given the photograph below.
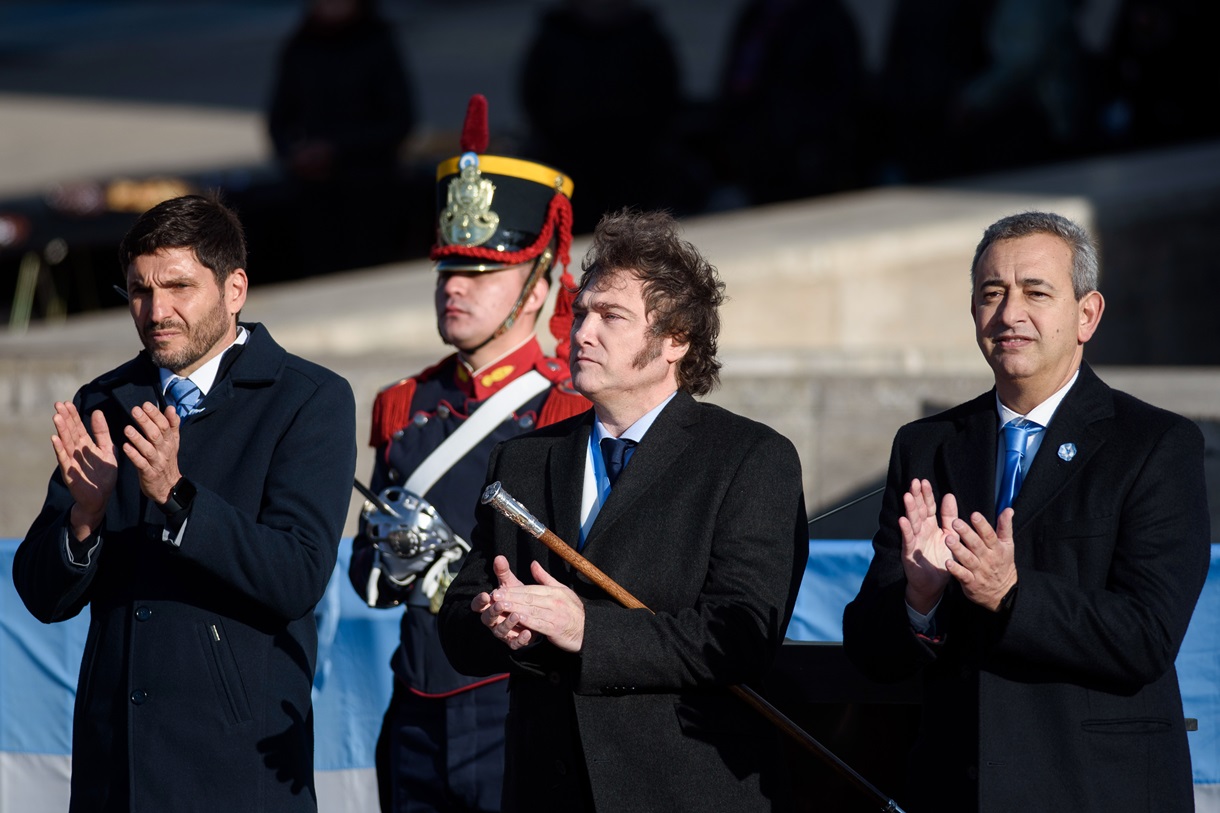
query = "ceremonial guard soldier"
x=503 y=223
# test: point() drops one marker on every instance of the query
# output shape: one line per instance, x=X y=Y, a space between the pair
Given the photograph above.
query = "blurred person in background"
x=935 y=47
x=789 y=102
x=602 y=90
x=341 y=108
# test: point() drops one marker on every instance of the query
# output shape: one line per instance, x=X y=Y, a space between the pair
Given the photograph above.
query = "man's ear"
x=673 y=350
x=537 y=298
x=235 y=287
x=1091 y=306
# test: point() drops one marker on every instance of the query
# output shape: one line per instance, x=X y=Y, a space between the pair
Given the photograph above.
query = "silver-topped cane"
x=499 y=499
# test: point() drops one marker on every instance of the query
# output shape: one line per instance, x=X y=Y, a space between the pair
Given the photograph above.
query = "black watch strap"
x=180 y=498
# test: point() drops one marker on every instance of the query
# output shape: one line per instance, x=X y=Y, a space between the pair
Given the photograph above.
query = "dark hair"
x=682 y=291
x=1084 y=251
x=200 y=223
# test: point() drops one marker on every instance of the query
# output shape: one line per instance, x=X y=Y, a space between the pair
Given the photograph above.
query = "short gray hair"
x=1084 y=251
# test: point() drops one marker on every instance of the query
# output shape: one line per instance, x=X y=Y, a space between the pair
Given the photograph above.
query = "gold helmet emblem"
x=468 y=219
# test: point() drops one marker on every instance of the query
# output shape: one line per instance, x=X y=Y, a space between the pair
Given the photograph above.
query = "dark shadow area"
x=869 y=726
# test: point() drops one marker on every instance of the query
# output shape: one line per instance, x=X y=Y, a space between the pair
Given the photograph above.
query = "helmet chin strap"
x=541 y=264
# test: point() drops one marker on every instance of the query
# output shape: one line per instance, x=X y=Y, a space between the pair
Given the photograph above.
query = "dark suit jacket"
x=706 y=526
x=1069 y=701
x=194 y=689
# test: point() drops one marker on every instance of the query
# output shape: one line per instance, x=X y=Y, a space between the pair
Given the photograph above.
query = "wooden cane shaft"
x=590 y=571
x=752 y=698
x=748 y=695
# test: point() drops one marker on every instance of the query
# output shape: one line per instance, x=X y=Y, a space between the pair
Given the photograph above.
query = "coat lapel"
x=1086 y=403
x=967 y=470
x=257 y=364
x=566 y=478
x=131 y=394
x=666 y=439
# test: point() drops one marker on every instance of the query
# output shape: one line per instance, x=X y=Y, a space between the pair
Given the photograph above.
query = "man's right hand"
x=924 y=552
x=494 y=611
x=87 y=464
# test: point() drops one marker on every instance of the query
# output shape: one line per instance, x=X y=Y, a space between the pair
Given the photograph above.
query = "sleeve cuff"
x=80 y=554
x=172 y=536
x=920 y=622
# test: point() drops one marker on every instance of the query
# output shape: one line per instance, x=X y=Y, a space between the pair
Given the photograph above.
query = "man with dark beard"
x=198 y=515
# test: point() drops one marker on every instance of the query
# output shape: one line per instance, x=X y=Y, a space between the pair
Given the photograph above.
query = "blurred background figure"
x=935 y=47
x=340 y=111
x=1029 y=104
x=789 y=102
x=1161 y=76
x=601 y=90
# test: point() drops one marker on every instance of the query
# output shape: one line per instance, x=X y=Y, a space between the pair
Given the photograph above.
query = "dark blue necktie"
x=616 y=453
x=182 y=395
x=1016 y=437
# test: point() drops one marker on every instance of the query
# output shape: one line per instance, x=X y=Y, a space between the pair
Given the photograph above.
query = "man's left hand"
x=153 y=450
x=983 y=558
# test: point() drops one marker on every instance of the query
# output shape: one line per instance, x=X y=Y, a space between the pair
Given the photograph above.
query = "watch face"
x=180 y=497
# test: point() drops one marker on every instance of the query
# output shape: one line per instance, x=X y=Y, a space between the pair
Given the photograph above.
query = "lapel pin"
x=1067 y=451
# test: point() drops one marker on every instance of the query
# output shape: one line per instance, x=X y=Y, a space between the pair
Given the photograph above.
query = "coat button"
x=972 y=773
x=138 y=697
x=393 y=476
x=442 y=412
x=561 y=767
x=420 y=419
x=525 y=421
x=553 y=677
x=398 y=435
x=143 y=613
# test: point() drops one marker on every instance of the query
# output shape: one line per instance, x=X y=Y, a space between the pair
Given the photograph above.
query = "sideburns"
x=648 y=353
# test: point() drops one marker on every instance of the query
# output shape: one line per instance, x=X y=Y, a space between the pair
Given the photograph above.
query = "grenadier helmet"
x=494 y=212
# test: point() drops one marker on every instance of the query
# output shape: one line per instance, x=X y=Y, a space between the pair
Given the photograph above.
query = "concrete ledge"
x=847 y=317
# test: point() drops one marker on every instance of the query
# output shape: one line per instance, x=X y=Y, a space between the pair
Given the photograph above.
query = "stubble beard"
x=199 y=340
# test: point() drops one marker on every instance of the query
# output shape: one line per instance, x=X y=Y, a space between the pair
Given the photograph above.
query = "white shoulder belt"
x=481 y=423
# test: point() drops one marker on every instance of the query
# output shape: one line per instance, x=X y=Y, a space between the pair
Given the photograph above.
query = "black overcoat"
x=706 y=527
x=1070 y=701
x=194 y=690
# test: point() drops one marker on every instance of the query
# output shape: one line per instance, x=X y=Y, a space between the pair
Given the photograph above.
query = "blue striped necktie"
x=182 y=395
x=1017 y=433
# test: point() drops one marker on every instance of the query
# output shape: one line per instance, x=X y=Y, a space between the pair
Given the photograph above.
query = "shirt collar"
x=1043 y=412
x=638 y=429
x=205 y=376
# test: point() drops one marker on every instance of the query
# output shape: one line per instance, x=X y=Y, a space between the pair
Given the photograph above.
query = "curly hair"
x=682 y=291
x=201 y=223
x=1084 y=251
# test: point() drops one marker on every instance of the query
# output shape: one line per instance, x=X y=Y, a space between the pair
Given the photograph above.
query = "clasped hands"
x=518 y=613
x=90 y=468
x=980 y=557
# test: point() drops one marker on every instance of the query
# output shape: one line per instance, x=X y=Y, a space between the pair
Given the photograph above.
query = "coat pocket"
x=226 y=677
x=1128 y=725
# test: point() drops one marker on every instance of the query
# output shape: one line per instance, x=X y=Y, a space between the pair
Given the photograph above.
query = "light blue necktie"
x=616 y=452
x=1016 y=437
x=182 y=395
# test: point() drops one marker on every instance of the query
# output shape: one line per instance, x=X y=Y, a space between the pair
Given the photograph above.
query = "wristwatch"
x=180 y=498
